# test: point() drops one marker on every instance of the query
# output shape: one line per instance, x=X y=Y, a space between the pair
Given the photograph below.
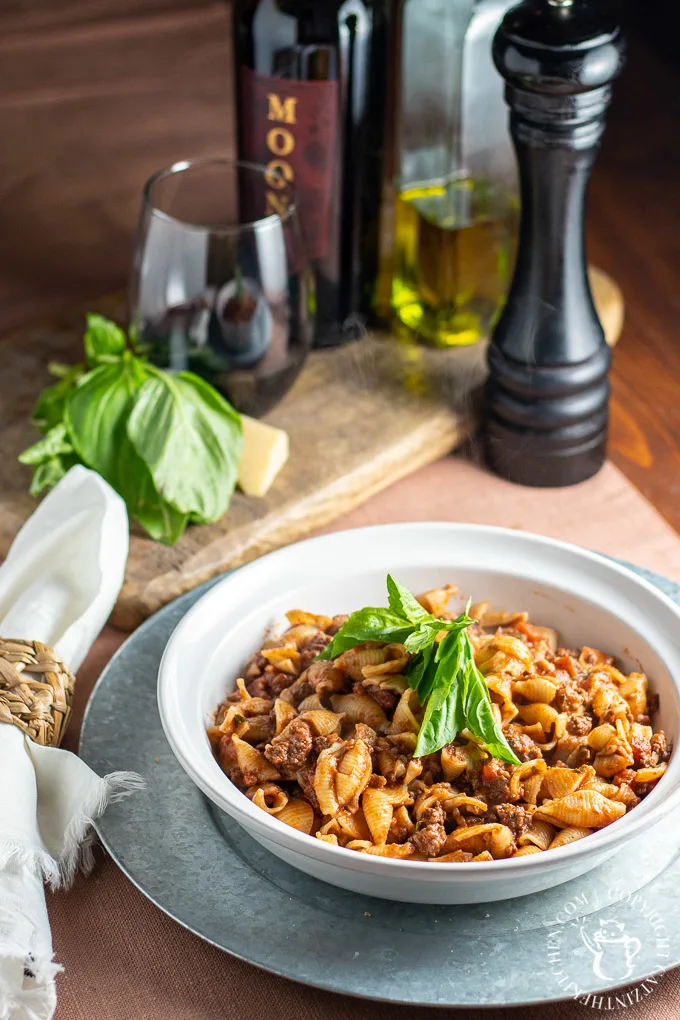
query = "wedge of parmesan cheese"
x=265 y=451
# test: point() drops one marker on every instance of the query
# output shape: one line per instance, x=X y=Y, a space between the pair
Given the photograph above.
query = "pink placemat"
x=125 y=960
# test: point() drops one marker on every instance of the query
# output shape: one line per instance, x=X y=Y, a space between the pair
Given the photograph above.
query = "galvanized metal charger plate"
x=612 y=927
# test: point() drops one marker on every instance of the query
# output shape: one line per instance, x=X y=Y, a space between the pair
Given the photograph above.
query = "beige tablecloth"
x=125 y=960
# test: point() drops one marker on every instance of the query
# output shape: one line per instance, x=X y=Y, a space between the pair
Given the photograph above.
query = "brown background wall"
x=94 y=96
x=97 y=94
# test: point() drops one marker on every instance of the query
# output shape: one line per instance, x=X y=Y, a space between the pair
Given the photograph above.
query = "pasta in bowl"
x=329 y=746
x=236 y=630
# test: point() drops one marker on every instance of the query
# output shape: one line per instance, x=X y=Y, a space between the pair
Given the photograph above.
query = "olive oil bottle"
x=448 y=248
x=452 y=256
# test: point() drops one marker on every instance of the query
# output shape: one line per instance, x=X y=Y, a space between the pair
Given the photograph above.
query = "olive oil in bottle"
x=453 y=254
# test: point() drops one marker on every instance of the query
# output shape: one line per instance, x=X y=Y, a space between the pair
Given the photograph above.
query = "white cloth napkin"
x=58 y=585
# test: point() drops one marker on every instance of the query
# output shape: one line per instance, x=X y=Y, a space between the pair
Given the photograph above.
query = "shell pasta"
x=327 y=746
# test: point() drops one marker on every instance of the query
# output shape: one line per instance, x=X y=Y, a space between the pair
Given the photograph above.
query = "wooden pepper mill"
x=548 y=387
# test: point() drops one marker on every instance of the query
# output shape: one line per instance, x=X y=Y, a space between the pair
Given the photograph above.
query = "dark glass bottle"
x=312 y=104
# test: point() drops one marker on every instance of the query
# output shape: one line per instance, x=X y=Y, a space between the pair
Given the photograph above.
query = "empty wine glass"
x=220 y=284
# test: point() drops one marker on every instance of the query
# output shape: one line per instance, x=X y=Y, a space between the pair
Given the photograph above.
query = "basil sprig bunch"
x=168 y=444
x=442 y=673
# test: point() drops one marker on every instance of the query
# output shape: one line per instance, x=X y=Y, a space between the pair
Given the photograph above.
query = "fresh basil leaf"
x=416 y=670
x=161 y=520
x=428 y=632
x=443 y=686
x=450 y=656
x=50 y=471
x=46 y=475
x=461 y=623
x=437 y=727
x=369 y=624
x=439 y=719
x=104 y=341
x=190 y=439
x=421 y=639
x=96 y=416
x=479 y=717
x=421 y=673
x=49 y=409
x=460 y=688
x=54 y=443
x=85 y=418
x=402 y=602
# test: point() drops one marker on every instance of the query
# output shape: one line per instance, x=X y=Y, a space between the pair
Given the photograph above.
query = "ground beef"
x=614 y=713
x=434 y=815
x=386 y=699
x=461 y=820
x=523 y=746
x=300 y=690
x=320 y=744
x=255 y=666
x=279 y=682
x=624 y=776
x=313 y=648
x=570 y=696
x=582 y=755
x=324 y=676
x=579 y=725
x=432 y=768
x=652 y=703
x=365 y=733
x=260 y=687
x=566 y=653
x=493 y=780
x=400 y=829
x=660 y=746
x=516 y=817
x=429 y=840
x=643 y=756
x=261 y=729
x=293 y=751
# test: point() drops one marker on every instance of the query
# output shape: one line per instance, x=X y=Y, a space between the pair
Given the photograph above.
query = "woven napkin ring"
x=38 y=703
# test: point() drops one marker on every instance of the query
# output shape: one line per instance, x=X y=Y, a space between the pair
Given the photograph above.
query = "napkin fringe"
x=38 y=862
x=80 y=837
x=36 y=998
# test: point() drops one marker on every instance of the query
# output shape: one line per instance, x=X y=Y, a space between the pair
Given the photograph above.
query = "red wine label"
x=290 y=127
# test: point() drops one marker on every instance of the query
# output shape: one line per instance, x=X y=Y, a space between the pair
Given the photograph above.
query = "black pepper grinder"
x=548 y=387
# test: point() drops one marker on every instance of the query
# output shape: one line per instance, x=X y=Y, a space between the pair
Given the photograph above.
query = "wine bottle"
x=311 y=100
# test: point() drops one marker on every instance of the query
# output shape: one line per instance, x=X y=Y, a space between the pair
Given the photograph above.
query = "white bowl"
x=590 y=600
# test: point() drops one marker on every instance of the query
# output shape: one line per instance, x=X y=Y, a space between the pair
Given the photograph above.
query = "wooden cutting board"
x=359 y=418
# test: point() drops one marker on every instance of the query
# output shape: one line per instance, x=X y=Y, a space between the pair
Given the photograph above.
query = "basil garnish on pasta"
x=441 y=670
